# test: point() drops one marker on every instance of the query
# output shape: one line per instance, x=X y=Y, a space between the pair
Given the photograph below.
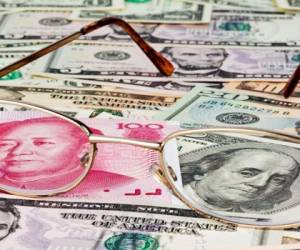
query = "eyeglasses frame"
x=163 y=172
x=166 y=68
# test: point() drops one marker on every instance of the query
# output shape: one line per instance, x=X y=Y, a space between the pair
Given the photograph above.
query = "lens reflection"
x=244 y=179
x=40 y=151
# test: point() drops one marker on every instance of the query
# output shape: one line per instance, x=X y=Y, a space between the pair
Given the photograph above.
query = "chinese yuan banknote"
x=120 y=172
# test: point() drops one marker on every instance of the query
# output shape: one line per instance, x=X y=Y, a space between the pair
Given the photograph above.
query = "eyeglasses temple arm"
x=292 y=83
x=162 y=64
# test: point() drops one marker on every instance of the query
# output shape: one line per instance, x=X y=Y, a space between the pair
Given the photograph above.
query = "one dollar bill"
x=63 y=4
x=9 y=56
x=227 y=28
x=154 y=11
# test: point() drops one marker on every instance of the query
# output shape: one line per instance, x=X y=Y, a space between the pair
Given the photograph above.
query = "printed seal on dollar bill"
x=54 y=21
x=112 y=55
x=133 y=241
x=237 y=118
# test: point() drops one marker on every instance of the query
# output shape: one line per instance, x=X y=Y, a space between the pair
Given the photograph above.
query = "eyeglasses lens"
x=244 y=179
x=40 y=153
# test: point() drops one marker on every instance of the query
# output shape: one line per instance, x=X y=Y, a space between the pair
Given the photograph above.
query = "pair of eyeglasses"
x=248 y=177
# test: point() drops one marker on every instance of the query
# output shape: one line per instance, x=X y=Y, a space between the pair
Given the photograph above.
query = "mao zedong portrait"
x=241 y=180
x=9 y=219
x=48 y=153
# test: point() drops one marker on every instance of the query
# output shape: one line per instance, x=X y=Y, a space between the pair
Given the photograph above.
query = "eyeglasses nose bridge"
x=157 y=146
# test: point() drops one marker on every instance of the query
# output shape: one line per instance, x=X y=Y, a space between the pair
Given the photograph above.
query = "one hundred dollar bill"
x=226 y=108
x=63 y=4
x=227 y=28
x=82 y=225
x=234 y=152
x=154 y=11
x=293 y=5
x=104 y=60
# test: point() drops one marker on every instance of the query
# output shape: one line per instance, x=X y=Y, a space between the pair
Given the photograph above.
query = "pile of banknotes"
x=230 y=57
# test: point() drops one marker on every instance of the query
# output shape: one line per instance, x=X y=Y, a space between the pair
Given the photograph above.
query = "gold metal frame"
x=166 y=68
x=157 y=146
x=211 y=214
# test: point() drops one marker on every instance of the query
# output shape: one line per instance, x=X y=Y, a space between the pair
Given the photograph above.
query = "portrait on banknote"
x=118 y=34
x=49 y=153
x=200 y=61
x=39 y=149
x=9 y=219
x=246 y=178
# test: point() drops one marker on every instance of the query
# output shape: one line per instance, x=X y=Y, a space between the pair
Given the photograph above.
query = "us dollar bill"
x=37 y=25
x=233 y=28
x=223 y=108
x=66 y=97
x=84 y=112
x=154 y=11
x=267 y=87
x=170 y=87
x=227 y=28
x=175 y=87
x=60 y=83
x=197 y=152
x=104 y=60
x=22 y=45
x=10 y=56
x=243 y=4
x=83 y=225
x=292 y=5
x=64 y=4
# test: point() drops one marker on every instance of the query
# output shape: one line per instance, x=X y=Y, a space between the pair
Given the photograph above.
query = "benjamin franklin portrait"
x=249 y=178
x=9 y=219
